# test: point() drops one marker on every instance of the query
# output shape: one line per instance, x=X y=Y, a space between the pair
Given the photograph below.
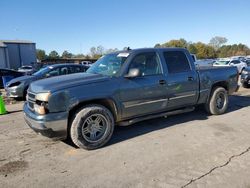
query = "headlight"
x=42 y=96
x=39 y=109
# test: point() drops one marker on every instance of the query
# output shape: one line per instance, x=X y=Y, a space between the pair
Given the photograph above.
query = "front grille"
x=31 y=98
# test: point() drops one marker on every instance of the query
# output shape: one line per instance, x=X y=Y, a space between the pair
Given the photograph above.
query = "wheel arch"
x=223 y=84
x=108 y=103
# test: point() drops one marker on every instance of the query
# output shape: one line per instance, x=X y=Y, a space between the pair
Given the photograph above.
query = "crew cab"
x=123 y=88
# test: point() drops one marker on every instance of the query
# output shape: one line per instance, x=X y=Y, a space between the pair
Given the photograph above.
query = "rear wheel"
x=92 y=127
x=218 y=101
x=246 y=85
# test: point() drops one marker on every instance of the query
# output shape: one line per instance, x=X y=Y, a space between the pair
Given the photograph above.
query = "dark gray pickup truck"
x=123 y=88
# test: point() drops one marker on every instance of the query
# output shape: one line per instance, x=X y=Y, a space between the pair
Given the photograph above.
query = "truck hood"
x=65 y=81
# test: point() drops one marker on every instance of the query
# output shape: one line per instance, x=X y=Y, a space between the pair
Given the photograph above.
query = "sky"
x=78 y=25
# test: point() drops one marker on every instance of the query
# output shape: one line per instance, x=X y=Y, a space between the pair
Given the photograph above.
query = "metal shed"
x=4 y=58
x=15 y=53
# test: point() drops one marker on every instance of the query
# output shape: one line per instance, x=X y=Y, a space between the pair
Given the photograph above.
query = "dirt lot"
x=188 y=150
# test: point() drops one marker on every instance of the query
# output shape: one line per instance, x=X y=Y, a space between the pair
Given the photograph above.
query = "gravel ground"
x=187 y=150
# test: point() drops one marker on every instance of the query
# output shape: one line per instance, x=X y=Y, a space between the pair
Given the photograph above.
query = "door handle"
x=190 y=78
x=162 y=82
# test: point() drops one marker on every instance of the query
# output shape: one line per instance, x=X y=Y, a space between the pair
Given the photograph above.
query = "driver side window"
x=148 y=64
x=54 y=72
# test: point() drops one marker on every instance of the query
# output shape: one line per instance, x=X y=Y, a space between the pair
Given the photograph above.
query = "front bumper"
x=14 y=92
x=53 y=125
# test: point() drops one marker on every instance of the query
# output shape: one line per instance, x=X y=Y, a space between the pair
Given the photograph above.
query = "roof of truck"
x=148 y=49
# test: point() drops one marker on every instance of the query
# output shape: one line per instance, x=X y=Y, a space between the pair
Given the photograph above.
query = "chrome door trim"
x=183 y=96
x=142 y=103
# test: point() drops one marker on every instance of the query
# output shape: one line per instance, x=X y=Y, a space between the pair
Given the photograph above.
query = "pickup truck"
x=123 y=88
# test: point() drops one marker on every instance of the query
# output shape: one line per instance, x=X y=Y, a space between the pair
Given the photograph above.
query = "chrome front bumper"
x=52 y=125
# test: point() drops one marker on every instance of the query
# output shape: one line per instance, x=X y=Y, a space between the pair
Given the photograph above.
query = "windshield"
x=108 y=65
x=42 y=71
x=221 y=62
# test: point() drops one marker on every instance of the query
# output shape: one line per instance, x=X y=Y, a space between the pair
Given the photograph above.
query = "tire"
x=91 y=127
x=218 y=101
x=246 y=85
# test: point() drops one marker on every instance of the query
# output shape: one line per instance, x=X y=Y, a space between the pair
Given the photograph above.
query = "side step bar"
x=165 y=114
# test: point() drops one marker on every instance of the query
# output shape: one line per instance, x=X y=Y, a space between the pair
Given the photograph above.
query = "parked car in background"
x=26 y=69
x=245 y=77
x=10 y=73
x=123 y=88
x=194 y=57
x=205 y=62
x=241 y=58
x=17 y=88
x=86 y=63
x=231 y=62
x=248 y=62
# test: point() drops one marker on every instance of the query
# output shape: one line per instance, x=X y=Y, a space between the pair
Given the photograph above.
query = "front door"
x=146 y=93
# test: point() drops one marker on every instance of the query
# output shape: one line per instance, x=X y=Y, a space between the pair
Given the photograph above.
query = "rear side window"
x=176 y=61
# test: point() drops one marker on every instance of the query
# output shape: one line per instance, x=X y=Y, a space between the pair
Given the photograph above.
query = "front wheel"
x=218 y=101
x=92 y=126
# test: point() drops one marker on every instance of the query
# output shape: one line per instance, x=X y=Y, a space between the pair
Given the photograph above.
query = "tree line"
x=95 y=52
x=216 y=48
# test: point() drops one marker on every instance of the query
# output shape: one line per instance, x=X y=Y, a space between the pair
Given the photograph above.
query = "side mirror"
x=132 y=73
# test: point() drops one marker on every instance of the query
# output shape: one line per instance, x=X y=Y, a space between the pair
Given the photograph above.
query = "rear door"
x=182 y=79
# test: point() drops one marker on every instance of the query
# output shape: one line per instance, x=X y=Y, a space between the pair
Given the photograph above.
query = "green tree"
x=97 y=52
x=53 y=54
x=181 y=43
x=41 y=54
x=79 y=56
x=204 y=51
x=66 y=54
x=111 y=50
x=192 y=48
x=233 y=50
x=157 y=45
x=217 y=42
